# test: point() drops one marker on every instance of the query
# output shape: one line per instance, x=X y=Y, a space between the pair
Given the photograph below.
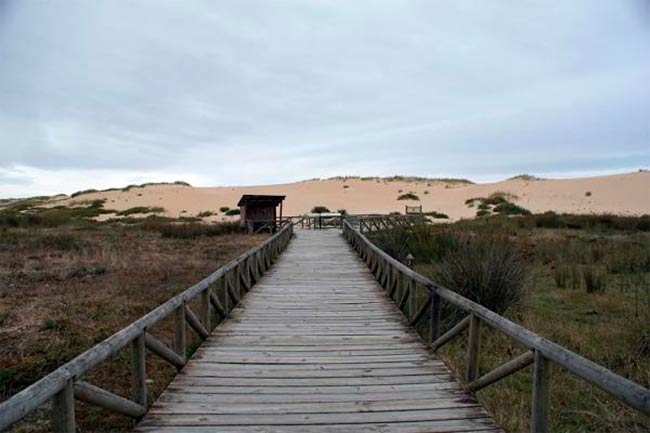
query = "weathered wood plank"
x=317 y=345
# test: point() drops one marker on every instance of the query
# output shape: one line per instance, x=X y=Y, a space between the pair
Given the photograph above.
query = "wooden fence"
x=370 y=223
x=398 y=279
x=63 y=385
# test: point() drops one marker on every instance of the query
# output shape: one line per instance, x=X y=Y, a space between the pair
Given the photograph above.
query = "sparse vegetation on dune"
x=408 y=196
x=320 y=209
x=128 y=187
x=527 y=177
x=397 y=178
x=496 y=203
x=66 y=283
x=588 y=290
x=140 y=210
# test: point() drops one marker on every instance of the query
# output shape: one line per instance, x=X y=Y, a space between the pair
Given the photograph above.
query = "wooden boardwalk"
x=316 y=346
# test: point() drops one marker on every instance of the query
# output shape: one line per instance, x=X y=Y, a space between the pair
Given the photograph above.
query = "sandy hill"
x=625 y=194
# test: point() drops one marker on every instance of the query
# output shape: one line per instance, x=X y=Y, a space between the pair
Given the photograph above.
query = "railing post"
x=205 y=309
x=413 y=298
x=222 y=288
x=473 y=348
x=180 y=338
x=138 y=371
x=541 y=394
x=63 y=420
x=434 y=317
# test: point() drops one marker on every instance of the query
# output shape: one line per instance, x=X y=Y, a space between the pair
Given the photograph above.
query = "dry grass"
x=589 y=292
x=64 y=289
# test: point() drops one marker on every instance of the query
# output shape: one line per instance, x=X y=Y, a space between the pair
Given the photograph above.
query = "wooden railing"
x=370 y=223
x=402 y=282
x=63 y=385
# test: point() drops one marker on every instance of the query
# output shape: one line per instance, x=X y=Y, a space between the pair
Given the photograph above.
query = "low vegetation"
x=232 y=212
x=140 y=210
x=192 y=230
x=496 y=203
x=67 y=282
x=320 y=209
x=582 y=281
x=408 y=196
x=406 y=179
x=205 y=214
x=527 y=177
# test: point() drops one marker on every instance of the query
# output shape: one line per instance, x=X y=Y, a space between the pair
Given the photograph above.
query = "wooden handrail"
x=59 y=384
x=629 y=392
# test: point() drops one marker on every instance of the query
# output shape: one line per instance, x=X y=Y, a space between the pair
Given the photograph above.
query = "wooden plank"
x=471 y=425
x=317 y=344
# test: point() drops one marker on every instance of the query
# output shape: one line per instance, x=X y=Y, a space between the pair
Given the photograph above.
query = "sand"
x=623 y=194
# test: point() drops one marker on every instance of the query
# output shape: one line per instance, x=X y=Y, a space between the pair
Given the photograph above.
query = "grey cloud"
x=455 y=87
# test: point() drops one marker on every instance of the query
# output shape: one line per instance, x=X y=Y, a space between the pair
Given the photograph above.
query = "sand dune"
x=625 y=194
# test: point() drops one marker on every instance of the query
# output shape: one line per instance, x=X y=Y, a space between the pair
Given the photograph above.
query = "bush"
x=342 y=212
x=508 y=208
x=486 y=269
x=408 y=196
x=319 y=209
x=97 y=204
x=205 y=213
x=482 y=212
x=233 y=212
x=224 y=209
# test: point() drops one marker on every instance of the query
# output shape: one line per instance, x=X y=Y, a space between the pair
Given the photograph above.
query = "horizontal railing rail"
x=371 y=223
x=63 y=385
x=401 y=283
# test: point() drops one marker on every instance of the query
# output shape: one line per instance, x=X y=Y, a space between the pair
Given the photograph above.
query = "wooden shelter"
x=259 y=210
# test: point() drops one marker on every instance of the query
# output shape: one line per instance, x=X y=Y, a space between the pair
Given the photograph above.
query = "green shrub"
x=508 y=208
x=320 y=209
x=96 y=204
x=205 y=213
x=224 y=209
x=487 y=269
x=232 y=212
x=482 y=212
x=408 y=196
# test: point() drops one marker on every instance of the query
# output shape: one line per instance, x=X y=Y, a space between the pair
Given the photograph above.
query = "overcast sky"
x=97 y=94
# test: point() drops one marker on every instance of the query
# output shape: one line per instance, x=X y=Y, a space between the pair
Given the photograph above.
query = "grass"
x=65 y=288
x=588 y=290
x=192 y=230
